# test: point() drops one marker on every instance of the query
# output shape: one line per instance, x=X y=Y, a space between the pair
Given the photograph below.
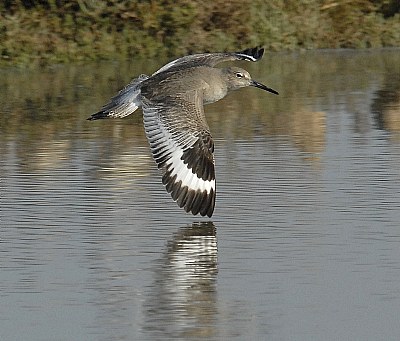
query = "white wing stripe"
x=161 y=141
x=185 y=174
x=248 y=57
x=169 y=146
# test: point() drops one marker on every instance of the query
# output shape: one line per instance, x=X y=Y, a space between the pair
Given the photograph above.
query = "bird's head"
x=237 y=78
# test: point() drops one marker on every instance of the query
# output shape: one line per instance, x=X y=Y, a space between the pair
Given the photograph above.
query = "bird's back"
x=204 y=80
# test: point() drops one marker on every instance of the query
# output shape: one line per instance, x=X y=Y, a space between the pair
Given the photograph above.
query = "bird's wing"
x=122 y=104
x=211 y=59
x=182 y=146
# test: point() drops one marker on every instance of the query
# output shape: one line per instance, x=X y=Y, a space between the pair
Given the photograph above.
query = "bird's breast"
x=214 y=91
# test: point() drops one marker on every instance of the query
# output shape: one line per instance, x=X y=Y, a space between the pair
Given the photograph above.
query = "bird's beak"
x=262 y=86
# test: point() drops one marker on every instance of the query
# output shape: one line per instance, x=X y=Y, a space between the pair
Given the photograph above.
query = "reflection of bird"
x=172 y=101
x=183 y=298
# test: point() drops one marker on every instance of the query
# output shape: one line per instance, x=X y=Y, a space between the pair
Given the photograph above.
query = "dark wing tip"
x=198 y=164
x=198 y=202
x=252 y=54
x=191 y=200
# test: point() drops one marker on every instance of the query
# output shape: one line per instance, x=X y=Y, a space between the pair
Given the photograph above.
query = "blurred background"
x=48 y=31
x=304 y=243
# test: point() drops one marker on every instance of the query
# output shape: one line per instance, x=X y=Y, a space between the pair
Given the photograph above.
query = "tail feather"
x=122 y=104
x=99 y=115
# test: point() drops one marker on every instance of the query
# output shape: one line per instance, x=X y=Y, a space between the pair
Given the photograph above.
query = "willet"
x=172 y=101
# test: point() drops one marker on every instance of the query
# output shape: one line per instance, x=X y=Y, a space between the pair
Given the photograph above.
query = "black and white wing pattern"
x=124 y=103
x=182 y=147
x=211 y=59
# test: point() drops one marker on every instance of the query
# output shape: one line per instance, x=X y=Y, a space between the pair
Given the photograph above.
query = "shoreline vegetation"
x=41 y=32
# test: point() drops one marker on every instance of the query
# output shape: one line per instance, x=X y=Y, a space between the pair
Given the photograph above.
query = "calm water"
x=304 y=243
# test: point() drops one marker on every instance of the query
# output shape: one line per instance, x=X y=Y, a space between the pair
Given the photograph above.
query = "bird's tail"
x=124 y=103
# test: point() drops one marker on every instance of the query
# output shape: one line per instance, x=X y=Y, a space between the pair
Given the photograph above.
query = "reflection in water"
x=183 y=297
x=386 y=104
x=308 y=129
x=84 y=218
x=45 y=116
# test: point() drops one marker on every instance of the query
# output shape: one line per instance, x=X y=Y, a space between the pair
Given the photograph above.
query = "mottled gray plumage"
x=172 y=101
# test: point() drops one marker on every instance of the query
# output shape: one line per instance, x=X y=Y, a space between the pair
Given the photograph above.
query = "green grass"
x=59 y=31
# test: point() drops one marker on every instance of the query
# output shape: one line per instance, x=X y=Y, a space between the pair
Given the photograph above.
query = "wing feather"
x=211 y=59
x=182 y=146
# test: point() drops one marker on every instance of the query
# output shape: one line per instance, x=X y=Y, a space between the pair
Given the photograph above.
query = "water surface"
x=304 y=243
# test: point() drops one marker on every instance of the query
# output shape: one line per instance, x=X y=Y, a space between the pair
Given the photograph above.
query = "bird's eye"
x=239 y=75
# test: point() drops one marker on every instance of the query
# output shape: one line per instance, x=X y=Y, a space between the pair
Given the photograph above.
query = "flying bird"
x=172 y=100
